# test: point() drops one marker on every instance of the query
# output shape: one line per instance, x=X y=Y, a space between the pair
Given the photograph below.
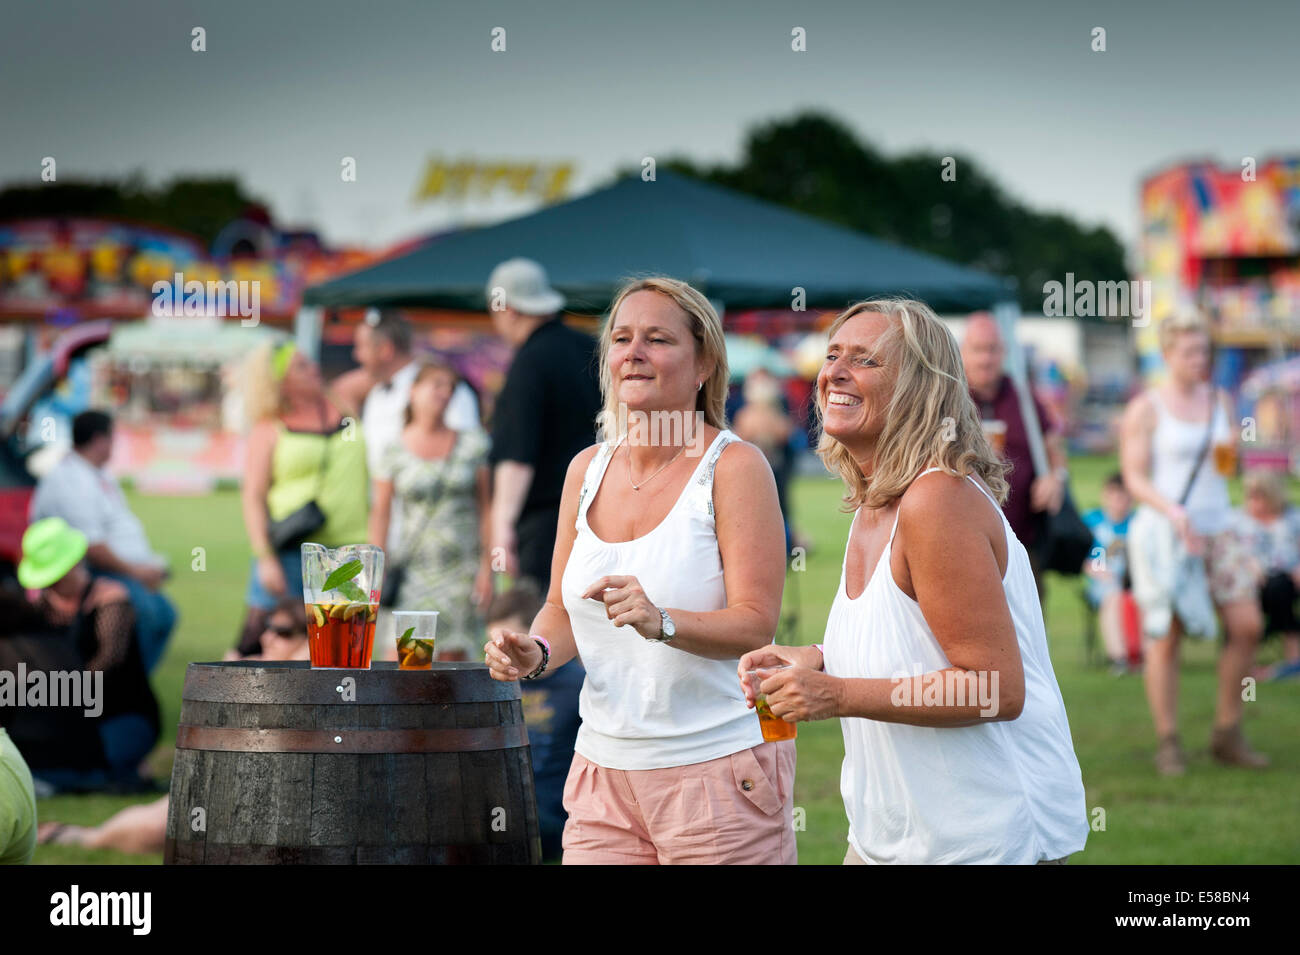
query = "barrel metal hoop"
x=233 y=739
x=298 y=682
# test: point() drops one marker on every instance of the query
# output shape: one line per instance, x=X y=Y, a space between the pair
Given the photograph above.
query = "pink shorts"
x=734 y=810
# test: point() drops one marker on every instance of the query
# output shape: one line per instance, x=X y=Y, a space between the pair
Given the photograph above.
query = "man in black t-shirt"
x=545 y=414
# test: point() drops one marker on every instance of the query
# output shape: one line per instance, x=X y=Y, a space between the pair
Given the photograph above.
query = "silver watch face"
x=669 y=628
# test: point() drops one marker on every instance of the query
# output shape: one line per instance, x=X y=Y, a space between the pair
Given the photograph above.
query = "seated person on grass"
x=142 y=828
x=91 y=625
x=80 y=490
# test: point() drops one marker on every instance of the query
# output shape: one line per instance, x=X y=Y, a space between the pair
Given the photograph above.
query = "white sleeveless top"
x=1173 y=452
x=997 y=792
x=649 y=705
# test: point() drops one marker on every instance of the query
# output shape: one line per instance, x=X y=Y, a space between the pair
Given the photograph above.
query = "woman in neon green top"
x=305 y=445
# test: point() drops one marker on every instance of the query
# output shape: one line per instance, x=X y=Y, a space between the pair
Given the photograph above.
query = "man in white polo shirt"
x=80 y=490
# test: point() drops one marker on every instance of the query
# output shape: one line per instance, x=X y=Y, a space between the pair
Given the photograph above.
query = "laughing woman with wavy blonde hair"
x=957 y=747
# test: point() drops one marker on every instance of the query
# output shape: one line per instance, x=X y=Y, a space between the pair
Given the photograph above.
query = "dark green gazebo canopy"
x=742 y=251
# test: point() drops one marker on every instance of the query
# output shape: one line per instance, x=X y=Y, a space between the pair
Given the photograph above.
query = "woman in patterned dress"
x=439 y=478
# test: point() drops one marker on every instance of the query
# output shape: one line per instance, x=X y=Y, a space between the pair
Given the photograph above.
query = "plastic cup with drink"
x=774 y=728
x=416 y=632
x=996 y=432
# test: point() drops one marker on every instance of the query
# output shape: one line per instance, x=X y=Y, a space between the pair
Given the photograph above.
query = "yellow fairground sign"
x=470 y=178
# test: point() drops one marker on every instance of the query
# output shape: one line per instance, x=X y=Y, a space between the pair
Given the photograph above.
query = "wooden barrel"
x=280 y=763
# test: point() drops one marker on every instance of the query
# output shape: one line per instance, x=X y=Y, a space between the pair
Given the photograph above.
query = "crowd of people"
x=648 y=581
x=392 y=453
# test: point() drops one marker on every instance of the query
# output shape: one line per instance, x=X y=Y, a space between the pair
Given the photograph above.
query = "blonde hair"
x=1181 y=322
x=930 y=418
x=705 y=327
x=1269 y=486
x=257 y=383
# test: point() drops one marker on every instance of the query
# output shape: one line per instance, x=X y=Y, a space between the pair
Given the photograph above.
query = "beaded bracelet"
x=546 y=657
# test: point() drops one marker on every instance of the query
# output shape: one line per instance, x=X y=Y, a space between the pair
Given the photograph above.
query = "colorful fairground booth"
x=1227 y=241
x=80 y=327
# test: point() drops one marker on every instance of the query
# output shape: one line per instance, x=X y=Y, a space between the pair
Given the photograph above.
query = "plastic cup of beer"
x=1225 y=458
x=774 y=728
x=996 y=432
x=416 y=631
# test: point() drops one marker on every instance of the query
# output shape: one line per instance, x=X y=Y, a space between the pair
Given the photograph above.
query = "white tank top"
x=996 y=792
x=1174 y=446
x=649 y=705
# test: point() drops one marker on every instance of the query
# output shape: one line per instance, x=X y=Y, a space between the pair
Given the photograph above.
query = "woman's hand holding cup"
x=774 y=655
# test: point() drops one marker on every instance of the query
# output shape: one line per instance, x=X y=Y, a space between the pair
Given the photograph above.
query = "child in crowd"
x=1271 y=530
x=1106 y=567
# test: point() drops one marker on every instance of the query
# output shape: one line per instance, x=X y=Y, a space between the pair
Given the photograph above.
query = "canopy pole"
x=307 y=327
x=1016 y=366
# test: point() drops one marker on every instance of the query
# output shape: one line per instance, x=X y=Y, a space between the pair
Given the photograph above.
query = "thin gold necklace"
x=637 y=487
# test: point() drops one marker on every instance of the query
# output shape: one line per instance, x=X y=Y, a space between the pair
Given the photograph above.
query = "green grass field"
x=1211 y=815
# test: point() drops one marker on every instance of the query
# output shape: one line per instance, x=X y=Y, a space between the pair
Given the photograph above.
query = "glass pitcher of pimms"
x=341 y=587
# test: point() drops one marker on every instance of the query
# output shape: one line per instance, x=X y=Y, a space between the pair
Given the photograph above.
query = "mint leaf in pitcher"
x=352 y=592
x=342 y=575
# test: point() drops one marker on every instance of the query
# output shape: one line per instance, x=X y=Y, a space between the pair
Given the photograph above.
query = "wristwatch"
x=667 y=629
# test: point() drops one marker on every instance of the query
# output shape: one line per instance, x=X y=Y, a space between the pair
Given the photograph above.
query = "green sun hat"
x=50 y=549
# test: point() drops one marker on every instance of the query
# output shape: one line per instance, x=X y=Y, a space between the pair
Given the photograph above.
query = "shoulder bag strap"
x=1205 y=447
x=325 y=454
x=437 y=491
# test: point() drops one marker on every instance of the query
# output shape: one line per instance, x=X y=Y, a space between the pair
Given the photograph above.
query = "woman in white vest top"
x=1186 y=559
x=957 y=748
x=669 y=565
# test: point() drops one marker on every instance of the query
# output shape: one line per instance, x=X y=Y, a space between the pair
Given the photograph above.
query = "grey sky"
x=287 y=89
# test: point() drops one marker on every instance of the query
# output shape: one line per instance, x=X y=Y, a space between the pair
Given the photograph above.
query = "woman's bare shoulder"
x=1144 y=402
x=739 y=460
x=938 y=501
x=263 y=434
x=1140 y=410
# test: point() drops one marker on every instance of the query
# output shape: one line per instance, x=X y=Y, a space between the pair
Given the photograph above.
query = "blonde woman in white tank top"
x=1186 y=559
x=669 y=565
x=957 y=748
